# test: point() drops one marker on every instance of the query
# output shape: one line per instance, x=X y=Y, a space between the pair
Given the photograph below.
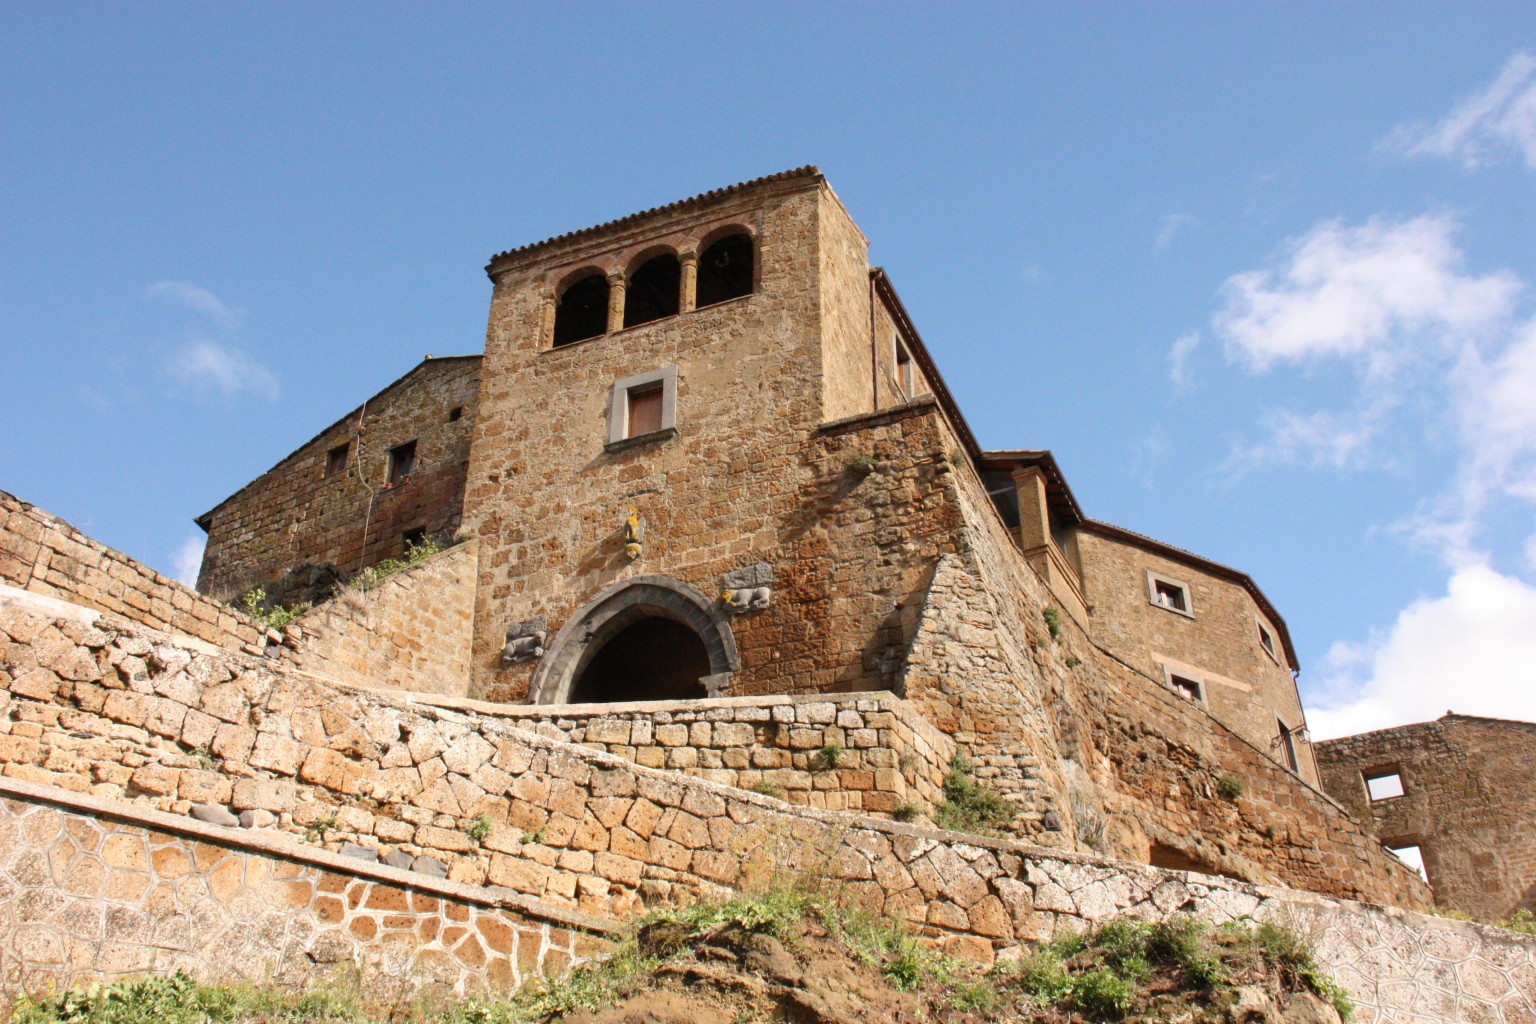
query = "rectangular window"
x=402 y=463
x=904 y=377
x=1267 y=641
x=1187 y=688
x=1167 y=592
x=1384 y=785
x=643 y=408
x=1286 y=741
x=1410 y=854
x=336 y=460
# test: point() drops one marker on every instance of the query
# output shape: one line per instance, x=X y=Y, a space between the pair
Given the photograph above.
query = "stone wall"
x=97 y=891
x=1216 y=644
x=887 y=757
x=1468 y=803
x=585 y=828
x=42 y=554
x=300 y=513
x=413 y=631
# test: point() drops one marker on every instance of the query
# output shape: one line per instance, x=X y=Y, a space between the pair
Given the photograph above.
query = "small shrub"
x=1102 y=993
x=1073 y=661
x=1522 y=921
x=831 y=755
x=968 y=805
x=480 y=828
x=769 y=789
x=379 y=572
x=204 y=757
x=862 y=464
x=906 y=811
x=1052 y=622
x=1230 y=786
x=254 y=603
x=535 y=837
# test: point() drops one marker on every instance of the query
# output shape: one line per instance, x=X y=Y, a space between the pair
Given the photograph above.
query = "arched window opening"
x=583 y=310
x=652 y=290
x=653 y=658
x=725 y=270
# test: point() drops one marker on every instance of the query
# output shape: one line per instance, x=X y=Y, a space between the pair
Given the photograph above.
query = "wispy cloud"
x=1484 y=127
x=205 y=368
x=1378 y=291
x=198 y=300
x=1147 y=453
x=1168 y=226
x=1178 y=360
x=1321 y=439
x=188 y=559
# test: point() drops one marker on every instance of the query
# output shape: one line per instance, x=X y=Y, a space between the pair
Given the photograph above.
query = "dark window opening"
x=402 y=463
x=644 y=410
x=1266 y=641
x=336 y=460
x=1384 y=786
x=1171 y=595
x=455 y=414
x=583 y=310
x=1185 y=687
x=652 y=659
x=1287 y=744
x=652 y=290
x=414 y=538
x=904 y=369
x=725 y=270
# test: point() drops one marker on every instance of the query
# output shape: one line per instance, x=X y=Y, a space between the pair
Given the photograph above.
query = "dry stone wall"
x=413 y=631
x=91 y=891
x=855 y=752
x=42 y=554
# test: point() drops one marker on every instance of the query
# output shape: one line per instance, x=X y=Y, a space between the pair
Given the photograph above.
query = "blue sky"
x=1260 y=275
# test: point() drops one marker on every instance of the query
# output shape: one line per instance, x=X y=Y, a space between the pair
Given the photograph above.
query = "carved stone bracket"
x=739 y=601
x=525 y=641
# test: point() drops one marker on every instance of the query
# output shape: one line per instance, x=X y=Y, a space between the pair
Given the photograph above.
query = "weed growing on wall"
x=969 y=806
x=375 y=574
x=253 y=602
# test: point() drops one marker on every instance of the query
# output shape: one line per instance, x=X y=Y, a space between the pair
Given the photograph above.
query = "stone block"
x=214 y=814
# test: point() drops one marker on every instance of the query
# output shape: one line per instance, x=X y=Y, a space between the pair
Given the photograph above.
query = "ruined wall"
x=92 y=891
x=587 y=829
x=1217 y=645
x=42 y=554
x=1468 y=803
x=413 y=631
x=887 y=756
x=299 y=513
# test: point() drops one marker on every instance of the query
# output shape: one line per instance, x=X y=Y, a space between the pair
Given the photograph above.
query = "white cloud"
x=1178 y=359
x=1378 y=292
x=1168 y=225
x=1319 y=439
x=1483 y=126
x=1468 y=651
x=199 y=300
x=188 y=559
x=205 y=368
x=1147 y=452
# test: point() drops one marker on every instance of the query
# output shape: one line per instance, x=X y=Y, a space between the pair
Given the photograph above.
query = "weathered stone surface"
x=214 y=814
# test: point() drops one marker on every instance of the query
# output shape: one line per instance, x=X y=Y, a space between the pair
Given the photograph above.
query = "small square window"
x=1410 y=854
x=336 y=459
x=1167 y=592
x=402 y=463
x=1384 y=785
x=1189 y=689
x=1267 y=641
x=643 y=408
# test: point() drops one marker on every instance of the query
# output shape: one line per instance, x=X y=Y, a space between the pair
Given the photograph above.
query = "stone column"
x=615 y=302
x=547 y=322
x=690 y=262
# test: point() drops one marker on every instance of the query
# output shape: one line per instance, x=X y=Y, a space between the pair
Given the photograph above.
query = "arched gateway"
x=646 y=638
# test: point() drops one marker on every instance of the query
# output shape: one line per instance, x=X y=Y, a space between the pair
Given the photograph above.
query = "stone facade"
x=1464 y=794
x=344 y=500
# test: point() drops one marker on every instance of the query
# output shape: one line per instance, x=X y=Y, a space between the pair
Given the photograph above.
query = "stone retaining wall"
x=587 y=829
x=91 y=891
x=886 y=757
x=42 y=554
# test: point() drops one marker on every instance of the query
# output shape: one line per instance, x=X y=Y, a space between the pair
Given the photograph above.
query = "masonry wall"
x=1218 y=646
x=42 y=554
x=91 y=891
x=587 y=829
x=413 y=631
x=847 y=323
x=299 y=514
x=1468 y=803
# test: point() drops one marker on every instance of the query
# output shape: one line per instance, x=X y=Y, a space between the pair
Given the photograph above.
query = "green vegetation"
x=830 y=756
x=480 y=828
x=1230 y=786
x=1522 y=921
x=1052 y=619
x=862 y=464
x=968 y=805
x=375 y=574
x=769 y=789
x=180 y=1000
x=906 y=811
x=253 y=602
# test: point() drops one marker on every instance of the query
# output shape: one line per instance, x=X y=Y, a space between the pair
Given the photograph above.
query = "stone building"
x=706 y=453
x=1458 y=794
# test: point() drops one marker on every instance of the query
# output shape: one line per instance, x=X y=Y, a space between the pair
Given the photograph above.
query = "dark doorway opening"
x=652 y=659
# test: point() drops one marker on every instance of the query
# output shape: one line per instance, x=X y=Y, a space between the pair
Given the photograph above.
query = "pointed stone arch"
x=621 y=606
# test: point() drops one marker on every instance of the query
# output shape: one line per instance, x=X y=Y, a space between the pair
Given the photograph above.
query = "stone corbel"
x=739 y=601
x=525 y=641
